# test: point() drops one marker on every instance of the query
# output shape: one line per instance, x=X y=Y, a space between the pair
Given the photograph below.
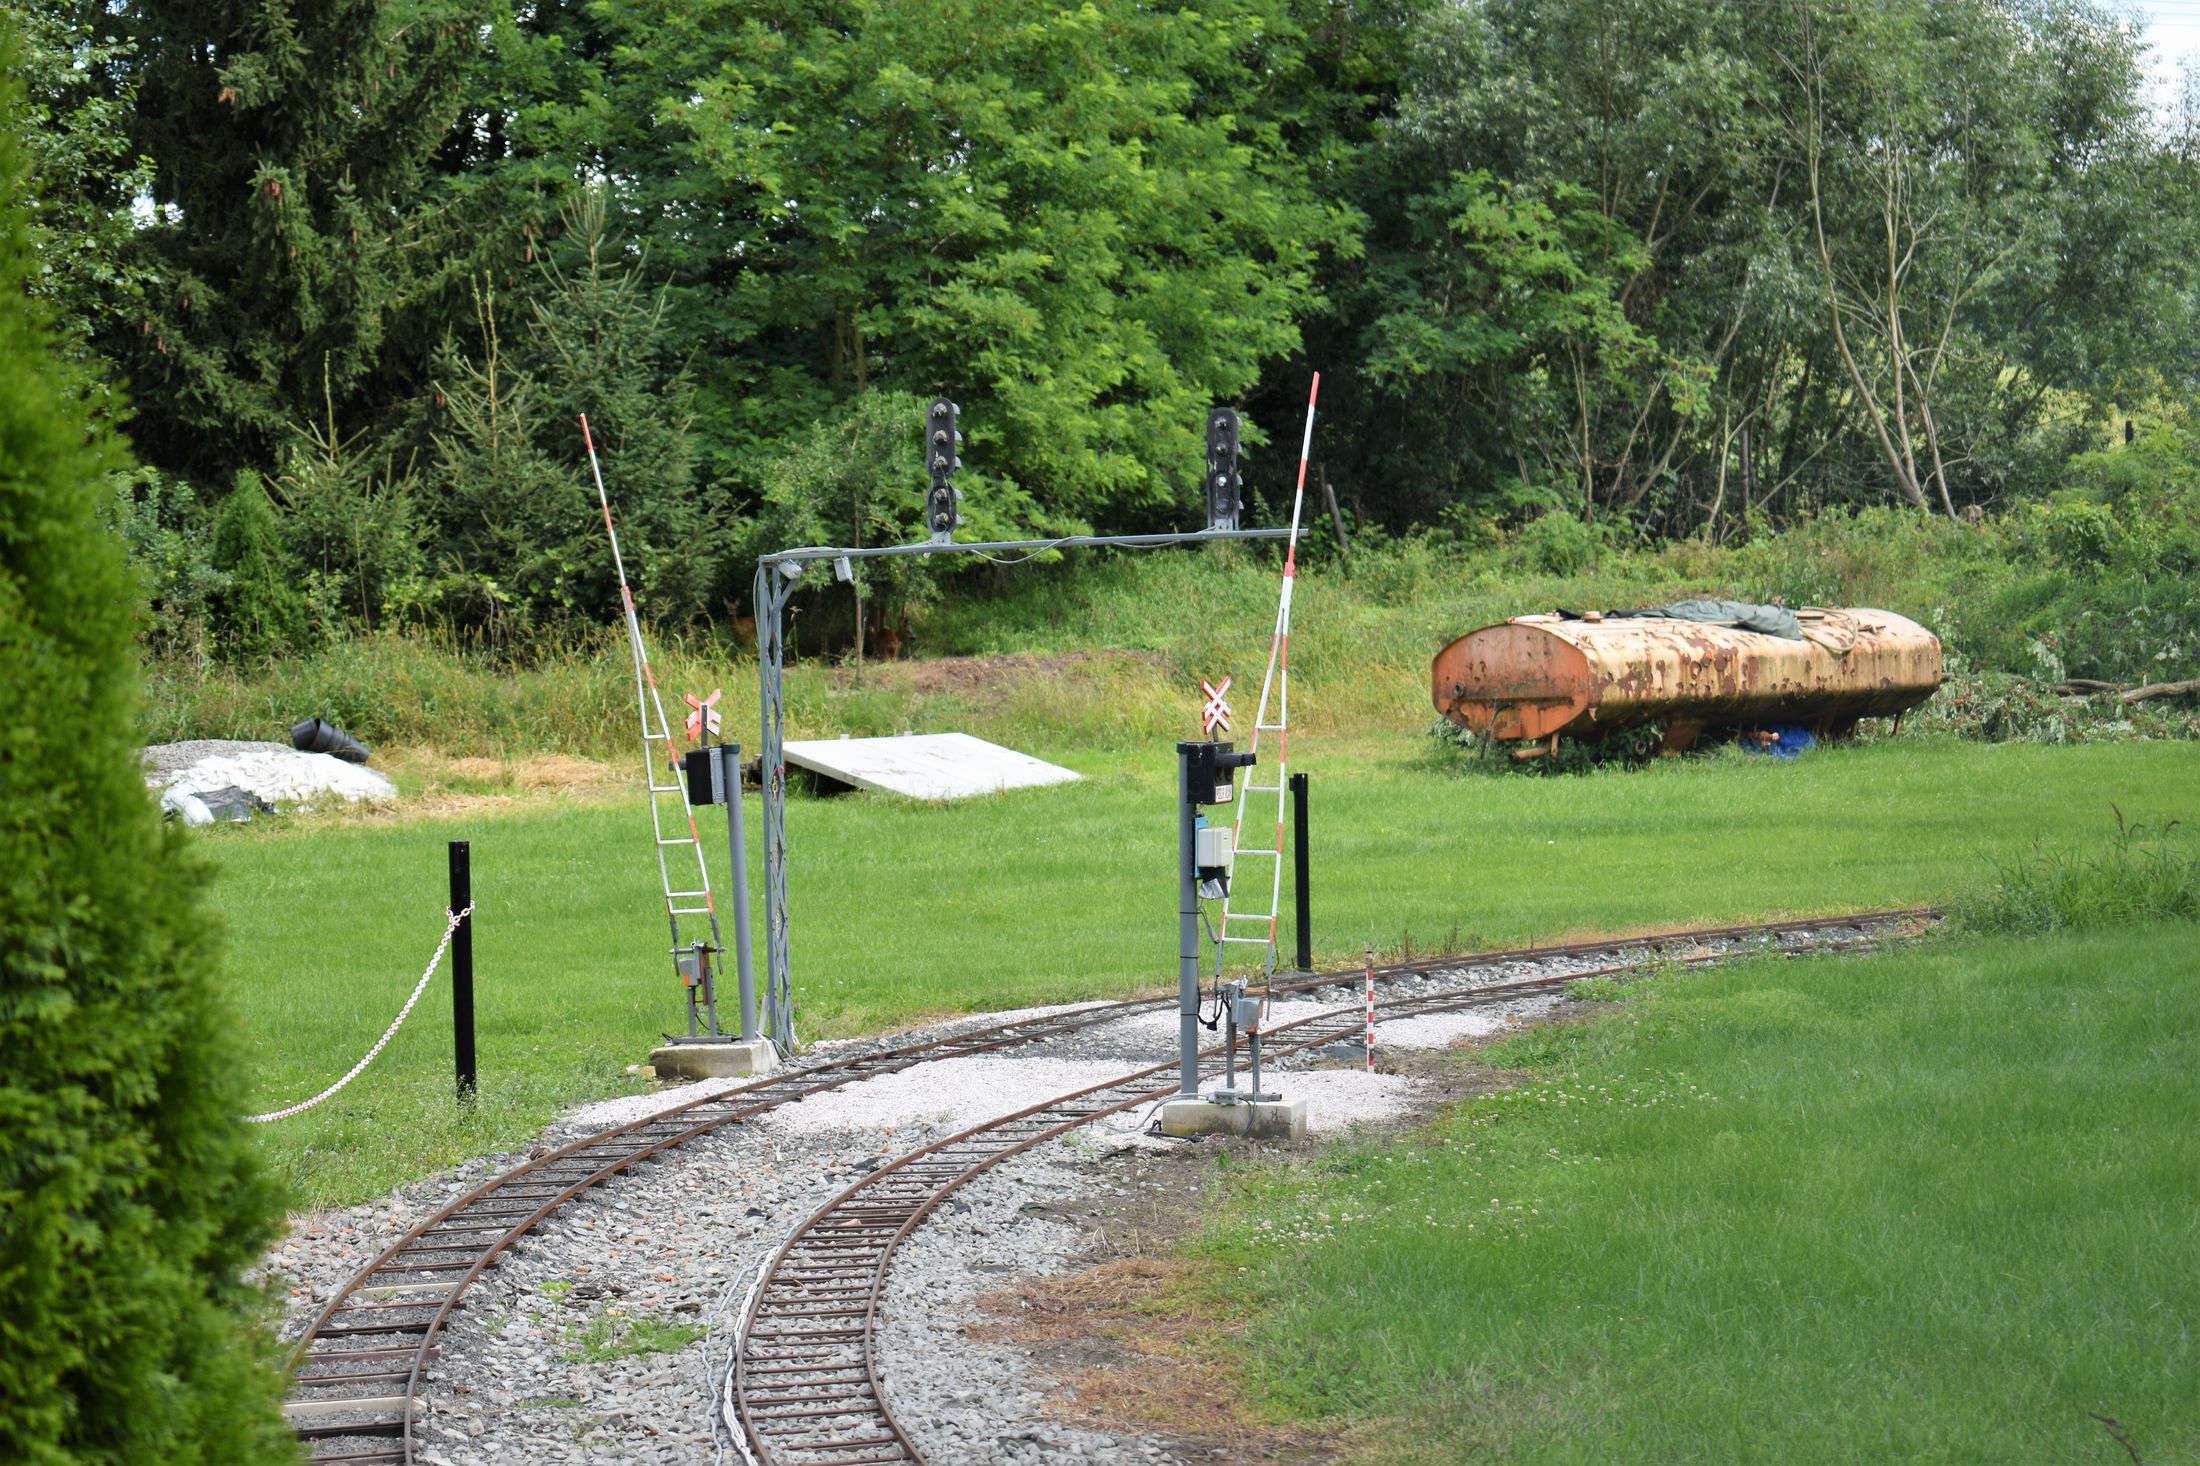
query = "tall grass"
x=1364 y=630
x=2140 y=874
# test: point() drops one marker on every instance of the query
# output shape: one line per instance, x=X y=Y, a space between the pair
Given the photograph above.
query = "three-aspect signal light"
x=942 y=456
x=1214 y=769
x=714 y=775
x=1225 y=485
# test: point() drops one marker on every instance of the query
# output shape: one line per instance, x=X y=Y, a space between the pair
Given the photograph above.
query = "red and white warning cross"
x=1216 y=713
x=704 y=718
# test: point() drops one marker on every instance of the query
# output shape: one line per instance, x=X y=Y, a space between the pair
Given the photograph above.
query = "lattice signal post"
x=777 y=576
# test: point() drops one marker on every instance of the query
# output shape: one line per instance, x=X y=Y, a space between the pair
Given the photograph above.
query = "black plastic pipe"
x=462 y=969
x=316 y=735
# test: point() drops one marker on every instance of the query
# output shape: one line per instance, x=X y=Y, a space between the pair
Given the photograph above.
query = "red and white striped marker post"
x=1371 y=1010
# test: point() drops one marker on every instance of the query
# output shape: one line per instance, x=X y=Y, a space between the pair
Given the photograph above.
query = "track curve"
x=359 y=1367
x=806 y=1386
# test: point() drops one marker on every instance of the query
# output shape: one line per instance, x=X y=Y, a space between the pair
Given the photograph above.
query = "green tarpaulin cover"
x=1771 y=620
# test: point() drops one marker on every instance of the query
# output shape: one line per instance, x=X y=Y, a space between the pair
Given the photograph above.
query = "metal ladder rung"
x=1264 y=789
x=666 y=789
x=1268 y=728
x=683 y=840
x=1265 y=854
x=1248 y=941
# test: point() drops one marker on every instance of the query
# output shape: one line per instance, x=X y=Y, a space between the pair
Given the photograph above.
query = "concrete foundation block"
x=1283 y=1119
x=713 y=1059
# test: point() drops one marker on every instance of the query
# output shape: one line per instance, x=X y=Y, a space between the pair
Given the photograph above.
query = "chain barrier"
x=387 y=1033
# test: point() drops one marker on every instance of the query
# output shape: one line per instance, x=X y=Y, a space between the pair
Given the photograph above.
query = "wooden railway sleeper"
x=372 y=1354
x=804 y=1368
x=373 y=1430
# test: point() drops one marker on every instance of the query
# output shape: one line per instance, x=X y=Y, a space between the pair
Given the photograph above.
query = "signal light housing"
x=942 y=456
x=1225 y=485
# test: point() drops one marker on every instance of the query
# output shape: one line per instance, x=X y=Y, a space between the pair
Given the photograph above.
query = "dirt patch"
x=1139 y=1354
x=437 y=785
x=983 y=677
x=1139 y=1345
x=560 y=771
x=1142 y=1344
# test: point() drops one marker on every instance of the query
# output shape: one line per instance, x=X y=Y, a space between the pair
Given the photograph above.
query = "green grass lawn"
x=903 y=910
x=1937 y=1204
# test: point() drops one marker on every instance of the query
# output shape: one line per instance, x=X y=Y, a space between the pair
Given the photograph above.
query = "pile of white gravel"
x=946 y=1095
x=276 y=772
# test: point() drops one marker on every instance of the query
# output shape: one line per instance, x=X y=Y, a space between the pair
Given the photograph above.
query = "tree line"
x=1652 y=267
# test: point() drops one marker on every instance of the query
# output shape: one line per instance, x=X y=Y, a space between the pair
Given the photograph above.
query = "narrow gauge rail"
x=805 y=1387
x=360 y=1364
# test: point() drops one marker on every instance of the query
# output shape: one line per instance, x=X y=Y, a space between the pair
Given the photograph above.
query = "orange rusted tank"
x=1546 y=677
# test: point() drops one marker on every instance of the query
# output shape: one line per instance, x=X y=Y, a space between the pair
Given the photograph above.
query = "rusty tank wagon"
x=1535 y=679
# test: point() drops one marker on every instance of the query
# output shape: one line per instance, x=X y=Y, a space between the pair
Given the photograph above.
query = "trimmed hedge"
x=130 y=1199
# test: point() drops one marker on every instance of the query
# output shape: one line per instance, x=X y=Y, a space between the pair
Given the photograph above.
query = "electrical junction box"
x=716 y=775
x=1212 y=854
x=703 y=771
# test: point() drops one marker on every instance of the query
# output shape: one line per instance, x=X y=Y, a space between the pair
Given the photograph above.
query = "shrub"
x=164 y=531
x=260 y=611
x=2070 y=529
x=129 y=1196
x=1558 y=544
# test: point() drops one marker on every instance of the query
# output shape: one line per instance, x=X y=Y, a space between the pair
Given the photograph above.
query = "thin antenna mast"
x=1276 y=681
x=656 y=730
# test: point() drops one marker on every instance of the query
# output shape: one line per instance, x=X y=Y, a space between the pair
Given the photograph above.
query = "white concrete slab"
x=926 y=765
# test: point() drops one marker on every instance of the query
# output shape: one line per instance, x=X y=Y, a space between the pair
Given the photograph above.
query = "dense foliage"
x=1584 y=271
x=129 y=1197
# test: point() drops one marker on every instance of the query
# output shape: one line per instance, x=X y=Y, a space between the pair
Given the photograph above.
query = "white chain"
x=387 y=1033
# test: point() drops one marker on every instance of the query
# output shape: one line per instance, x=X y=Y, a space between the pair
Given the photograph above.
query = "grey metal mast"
x=776 y=578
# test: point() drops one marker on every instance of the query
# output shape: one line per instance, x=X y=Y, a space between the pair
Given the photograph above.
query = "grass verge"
x=1937 y=1204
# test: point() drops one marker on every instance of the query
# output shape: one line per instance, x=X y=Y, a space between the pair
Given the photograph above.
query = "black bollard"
x=462 y=969
x=1298 y=873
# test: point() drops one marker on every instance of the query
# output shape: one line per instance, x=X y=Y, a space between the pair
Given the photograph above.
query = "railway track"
x=805 y=1386
x=360 y=1365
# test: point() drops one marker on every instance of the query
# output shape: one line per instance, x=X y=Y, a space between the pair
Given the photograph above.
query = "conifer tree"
x=521 y=540
x=509 y=511
x=600 y=345
x=130 y=1197
x=353 y=517
x=259 y=611
x=292 y=249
